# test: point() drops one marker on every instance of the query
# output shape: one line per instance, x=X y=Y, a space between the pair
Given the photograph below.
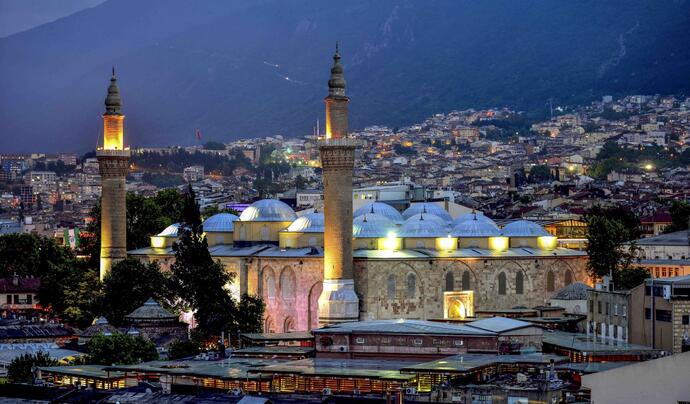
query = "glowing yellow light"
x=498 y=243
x=391 y=242
x=571 y=168
x=446 y=243
x=649 y=167
x=547 y=242
x=158 y=242
x=113 y=133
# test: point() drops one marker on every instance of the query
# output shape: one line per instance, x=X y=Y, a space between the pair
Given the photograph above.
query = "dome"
x=431 y=208
x=268 y=210
x=151 y=311
x=524 y=228
x=574 y=291
x=372 y=225
x=221 y=222
x=471 y=216
x=309 y=223
x=424 y=225
x=382 y=209
x=475 y=228
x=170 y=231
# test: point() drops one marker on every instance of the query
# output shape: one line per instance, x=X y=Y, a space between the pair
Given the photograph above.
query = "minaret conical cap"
x=336 y=84
x=113 y=103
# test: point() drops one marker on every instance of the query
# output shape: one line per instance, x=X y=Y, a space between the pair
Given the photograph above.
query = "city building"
x=193 y=173
x=662 y=321
x=608 y=313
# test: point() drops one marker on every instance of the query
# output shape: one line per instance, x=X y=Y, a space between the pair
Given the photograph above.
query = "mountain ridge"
x=213 y=65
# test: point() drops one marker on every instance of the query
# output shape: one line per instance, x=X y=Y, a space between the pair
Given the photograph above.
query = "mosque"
x=376 y=263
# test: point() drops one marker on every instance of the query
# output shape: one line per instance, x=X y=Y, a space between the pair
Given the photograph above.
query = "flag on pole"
x=198 y=134
x=72 y=238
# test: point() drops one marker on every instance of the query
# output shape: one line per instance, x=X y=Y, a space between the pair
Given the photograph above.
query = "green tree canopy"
x=120 y=349
x=539 y=173
x=680 y=215
x=128 y=285
x=31 y=255
x=21 y=369
x=610 y=250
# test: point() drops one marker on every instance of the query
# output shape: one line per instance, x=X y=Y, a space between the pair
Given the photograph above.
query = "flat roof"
x=593 y=344
x=409 y=327
x=465 y=363
x=675 y=238
x=278 y=336
x=356 y=368
x=90 y=371
x=226 y=369
x=274 y=350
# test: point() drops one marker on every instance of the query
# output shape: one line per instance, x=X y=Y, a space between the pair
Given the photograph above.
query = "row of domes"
x=375 y=220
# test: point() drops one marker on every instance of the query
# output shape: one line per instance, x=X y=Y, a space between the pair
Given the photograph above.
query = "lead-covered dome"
x=472 y=216
x=171 y=231
x=475 y=228
x=221 y=222
x=268 y=210
x=373 y=226
x=574 y=291
x=380 y=208
x=524 y=228
x=424 y=225
x=427 y=208
x=309 y=223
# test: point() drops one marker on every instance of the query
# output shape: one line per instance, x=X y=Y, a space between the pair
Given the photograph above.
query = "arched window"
x=450 y=282
x=568 y=278
x=391 y=286
x=264 y=233
x=269 y=283
x=502 y=283
x=287 y=284
x=411 y=285
x=269 y=327
x=289 y=325
x=466 y=285
x=519 y=283
x=550 y=282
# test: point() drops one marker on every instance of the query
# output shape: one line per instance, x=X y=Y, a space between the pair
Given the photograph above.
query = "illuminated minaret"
x=338 y=301
x=113 y=161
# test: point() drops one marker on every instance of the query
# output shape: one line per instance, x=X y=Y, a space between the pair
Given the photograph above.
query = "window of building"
x=663 y=315
x=466 y=285
x=418 y=341
x=591 y=306
x=359 y=340
x=625 y=310
x=450 y=282
x=411 y=286
x=647 y=313
x=685 y=319
x=599 y=307
x=608 y=307
x=615 y=309
x=288 y=284
x=391 y=286
x=502 y=283
x=29 y=299
x=519 y=283
x=568 y=278
x=615 y=331
x=16 y=299
x=9 y=299
x=458 y=342
x=550 y=282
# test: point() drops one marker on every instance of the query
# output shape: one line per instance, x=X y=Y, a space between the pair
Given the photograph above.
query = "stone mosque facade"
x=417 y=264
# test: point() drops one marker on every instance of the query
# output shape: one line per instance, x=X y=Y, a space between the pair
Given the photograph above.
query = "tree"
x=31 y=255
x=128 y=285
x=72 y=292
x=144 y=219
x=539 y=173
x=21 y=368
x=120 y=349
x=213 y=145
x=250 y=312
x=196 y=278
x=608 y=255
x=188 y=347
x=680 y=216
x=630 y=277
x=170 y=202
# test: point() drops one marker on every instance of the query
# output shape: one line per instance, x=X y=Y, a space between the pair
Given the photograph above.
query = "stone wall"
x=680 y=308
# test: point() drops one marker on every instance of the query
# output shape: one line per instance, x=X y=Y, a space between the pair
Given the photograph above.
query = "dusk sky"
x=20 y=15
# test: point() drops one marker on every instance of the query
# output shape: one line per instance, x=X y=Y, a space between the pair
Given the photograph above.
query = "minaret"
x=113 y=161
x=338 y=301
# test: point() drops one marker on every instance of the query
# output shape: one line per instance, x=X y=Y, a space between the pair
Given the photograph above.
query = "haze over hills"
x=244 y=69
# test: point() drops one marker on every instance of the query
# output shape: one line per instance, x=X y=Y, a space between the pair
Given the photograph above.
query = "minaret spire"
x=336 y=83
